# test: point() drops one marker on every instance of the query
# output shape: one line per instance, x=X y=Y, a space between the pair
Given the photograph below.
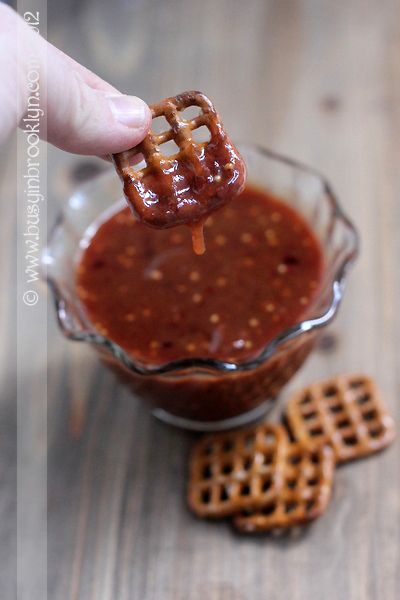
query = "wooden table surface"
x=314 y=79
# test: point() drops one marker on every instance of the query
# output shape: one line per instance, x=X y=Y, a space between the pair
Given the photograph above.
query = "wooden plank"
x=319 y=81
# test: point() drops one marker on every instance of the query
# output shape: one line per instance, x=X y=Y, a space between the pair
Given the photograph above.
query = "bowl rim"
x=213 y=366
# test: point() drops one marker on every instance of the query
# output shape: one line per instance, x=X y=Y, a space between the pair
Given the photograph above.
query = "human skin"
x=82 y=113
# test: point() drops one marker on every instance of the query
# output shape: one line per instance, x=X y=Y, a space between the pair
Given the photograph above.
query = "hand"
x=85 y=114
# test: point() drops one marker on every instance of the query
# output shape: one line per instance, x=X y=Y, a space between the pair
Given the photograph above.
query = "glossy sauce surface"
x=187 y=187
x=197 y=178
x=147 y=291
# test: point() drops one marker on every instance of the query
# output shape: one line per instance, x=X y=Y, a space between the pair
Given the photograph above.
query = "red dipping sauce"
x=147 y=291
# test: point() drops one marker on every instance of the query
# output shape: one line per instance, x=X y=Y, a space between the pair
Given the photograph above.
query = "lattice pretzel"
x=186 y=186
x=238 y=470
x=346 y=412
x=306 y=491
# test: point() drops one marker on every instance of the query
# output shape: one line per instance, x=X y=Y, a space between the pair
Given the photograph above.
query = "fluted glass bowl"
x=200 y=393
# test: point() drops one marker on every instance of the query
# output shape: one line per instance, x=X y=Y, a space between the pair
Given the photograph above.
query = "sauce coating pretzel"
x=186 y=186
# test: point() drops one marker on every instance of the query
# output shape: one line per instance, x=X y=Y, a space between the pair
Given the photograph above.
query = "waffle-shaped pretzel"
x=308 y=477
x=197 y=178
x=344 y=411
x=238 y=470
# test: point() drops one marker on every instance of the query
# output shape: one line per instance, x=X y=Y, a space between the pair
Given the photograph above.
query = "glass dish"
x=200 y=393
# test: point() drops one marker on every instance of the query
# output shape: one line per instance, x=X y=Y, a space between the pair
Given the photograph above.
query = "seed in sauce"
x=146 y=312
x=130 y=317
x=276 y=217
x=254 y=322
x=246 y=238
x=220 y=240
x=156 y=275
x=197 y=298
x=272 y=238
x=282 y=269
x=304 y=300
x=194 y=276
x=222 y=281
x=270 y=307
x=215 y=318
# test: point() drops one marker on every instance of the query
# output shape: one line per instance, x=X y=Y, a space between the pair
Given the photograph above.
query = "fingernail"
x=129 y=110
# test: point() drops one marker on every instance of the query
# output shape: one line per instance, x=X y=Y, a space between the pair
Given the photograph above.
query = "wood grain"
x=319 y=81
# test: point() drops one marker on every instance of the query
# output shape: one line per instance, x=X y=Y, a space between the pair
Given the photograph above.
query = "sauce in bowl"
x=147 y=291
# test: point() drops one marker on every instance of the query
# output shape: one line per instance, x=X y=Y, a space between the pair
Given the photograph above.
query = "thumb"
x=85 y=114
x=88 y=116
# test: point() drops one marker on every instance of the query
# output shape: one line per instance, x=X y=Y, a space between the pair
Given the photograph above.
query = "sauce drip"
x=198 y=243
